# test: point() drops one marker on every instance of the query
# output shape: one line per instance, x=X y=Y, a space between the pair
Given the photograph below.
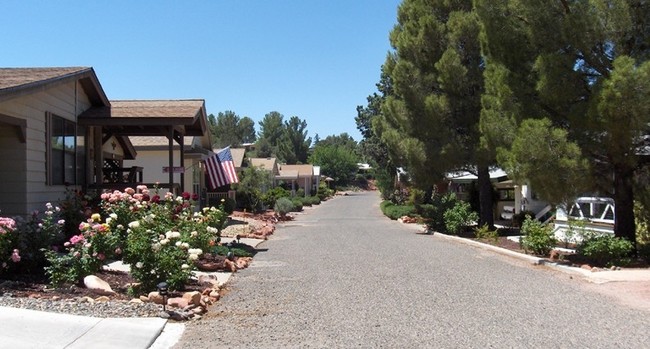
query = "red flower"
x=155 y=199
x=195 y=197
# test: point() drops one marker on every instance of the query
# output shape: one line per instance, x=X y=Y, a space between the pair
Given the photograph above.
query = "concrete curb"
x=531 y=259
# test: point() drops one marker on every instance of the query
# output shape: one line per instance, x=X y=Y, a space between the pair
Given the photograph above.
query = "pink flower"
x=77 y=239
x=15 y=256
x=118 y=251
x=129 y=191
x=101 y=256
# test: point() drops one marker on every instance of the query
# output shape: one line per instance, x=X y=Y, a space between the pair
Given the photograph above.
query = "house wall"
x=153 y=161
x=66 y=100
x=12 y=173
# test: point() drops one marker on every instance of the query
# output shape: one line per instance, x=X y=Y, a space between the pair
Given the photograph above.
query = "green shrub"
x=229 y=205
x=297 y=204
x=519 y=218
x=283 y=206
x=484 y=233
x=394 y=211
x=271 y=196
x=458 y=217
x=537 y=237
x=300 y=193
x=416 y=197
x=433 y=213
x=305 y=201
x=606 y=250
x=237 y=252
x=314 y=200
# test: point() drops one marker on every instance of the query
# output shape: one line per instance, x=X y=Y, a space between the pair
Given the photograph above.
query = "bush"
x=297 y=204
x=271 y=196
x=394 y=211
x=458 y=217
x=305 y=201
x=283 y=206
x=237 y=252
x=315 y=200
x=484 y=233
x=433 y=213
x=229 y=205
x=537 y=237
x=519 y=218
x=416 y=197
x=606 y=250
x=161 y=241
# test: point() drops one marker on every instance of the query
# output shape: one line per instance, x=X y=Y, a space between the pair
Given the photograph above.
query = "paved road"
x=342 y=276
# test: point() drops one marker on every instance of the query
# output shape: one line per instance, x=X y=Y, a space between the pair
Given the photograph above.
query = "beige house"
x=59 y=131
x=44 y=148
x=301 y=176
x=269 y=164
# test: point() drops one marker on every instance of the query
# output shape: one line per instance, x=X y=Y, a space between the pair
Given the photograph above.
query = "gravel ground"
x=342 y=275
x=80 y=306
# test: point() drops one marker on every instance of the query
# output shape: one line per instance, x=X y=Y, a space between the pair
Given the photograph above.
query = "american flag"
x=221 y=169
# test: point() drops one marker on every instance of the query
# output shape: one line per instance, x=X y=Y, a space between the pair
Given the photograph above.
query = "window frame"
x=68 y=152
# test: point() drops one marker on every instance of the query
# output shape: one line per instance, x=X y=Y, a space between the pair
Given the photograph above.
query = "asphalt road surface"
x=341 y=275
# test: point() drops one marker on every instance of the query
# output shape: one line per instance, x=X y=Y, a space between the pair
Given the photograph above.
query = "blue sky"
x=316 y=60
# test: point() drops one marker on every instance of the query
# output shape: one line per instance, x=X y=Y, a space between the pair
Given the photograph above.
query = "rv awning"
x=496 y=175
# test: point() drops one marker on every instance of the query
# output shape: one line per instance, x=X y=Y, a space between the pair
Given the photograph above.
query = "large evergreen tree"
x=293 y=145
x=431 y=117
x=228 y=129
x=576 y=74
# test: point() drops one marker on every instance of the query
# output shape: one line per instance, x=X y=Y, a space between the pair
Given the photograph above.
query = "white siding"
x=153 y=161
x=59 y=100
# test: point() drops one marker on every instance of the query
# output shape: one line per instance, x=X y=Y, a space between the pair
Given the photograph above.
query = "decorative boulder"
x=98 y=285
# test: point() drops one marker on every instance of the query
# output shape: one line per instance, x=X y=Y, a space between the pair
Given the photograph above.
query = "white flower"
x=178 y=244
x=109 y=220
x=134 y=224
x=138 y=265
x=196 y=251
x=173 y=235
x=156 y=246
x=212 y=230
x=164 y=241
x=61 y=221
x=194 y=233
x=48 y=206
x=185 y=245
x=179 y=199
x=113 y=215
x=185 y=266
x=193 y=257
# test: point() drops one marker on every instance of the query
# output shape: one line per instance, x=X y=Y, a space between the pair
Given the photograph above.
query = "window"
x=506 y=194
x=62 y=147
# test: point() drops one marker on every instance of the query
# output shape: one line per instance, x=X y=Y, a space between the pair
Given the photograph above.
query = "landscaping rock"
x=193 y=298
x=102 y=299
x=230 y=265
x=178 y=302
x=155 y=297
x=98 y=285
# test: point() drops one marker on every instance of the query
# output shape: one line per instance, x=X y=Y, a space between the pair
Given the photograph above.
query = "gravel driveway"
x=344 y=276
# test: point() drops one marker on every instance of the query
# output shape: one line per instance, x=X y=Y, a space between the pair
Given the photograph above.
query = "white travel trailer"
x=595 y=213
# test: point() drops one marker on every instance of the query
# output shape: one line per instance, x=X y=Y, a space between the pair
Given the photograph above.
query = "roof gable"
x=15 y=82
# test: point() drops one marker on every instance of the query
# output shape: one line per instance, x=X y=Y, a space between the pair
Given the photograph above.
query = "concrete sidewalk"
x=23 y=328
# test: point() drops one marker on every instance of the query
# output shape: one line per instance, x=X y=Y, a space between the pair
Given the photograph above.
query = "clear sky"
x=315 y=59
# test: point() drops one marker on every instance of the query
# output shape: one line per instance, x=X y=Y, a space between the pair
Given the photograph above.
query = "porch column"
x=182 y=148
x=170 y=136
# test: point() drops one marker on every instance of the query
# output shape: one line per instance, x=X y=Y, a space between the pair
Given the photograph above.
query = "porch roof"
x=146 y=117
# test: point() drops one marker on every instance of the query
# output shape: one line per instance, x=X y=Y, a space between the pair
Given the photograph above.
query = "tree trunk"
x=486 y=216
x=624 y=226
